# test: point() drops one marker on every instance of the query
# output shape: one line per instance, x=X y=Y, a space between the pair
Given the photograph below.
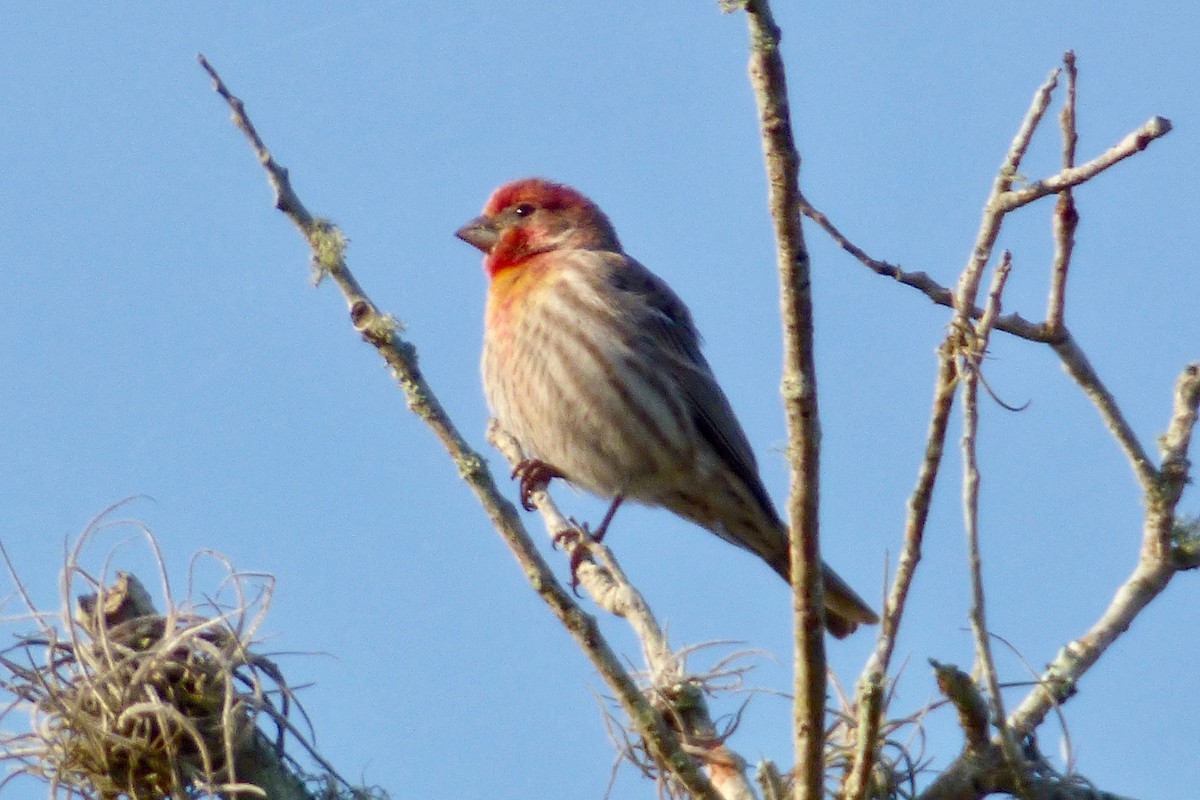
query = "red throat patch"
x=513 y=247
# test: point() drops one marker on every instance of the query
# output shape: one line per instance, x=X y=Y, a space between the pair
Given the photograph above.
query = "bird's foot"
x=534 y=476
x=576 y=541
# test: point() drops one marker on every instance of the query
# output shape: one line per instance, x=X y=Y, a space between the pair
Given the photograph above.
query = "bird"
x=593 y=363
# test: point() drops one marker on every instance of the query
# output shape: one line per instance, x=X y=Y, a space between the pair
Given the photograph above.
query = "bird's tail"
x=844 y=609
x=739 y=511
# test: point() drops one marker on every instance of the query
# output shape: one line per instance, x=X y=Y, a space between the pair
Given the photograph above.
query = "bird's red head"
x=530 y=216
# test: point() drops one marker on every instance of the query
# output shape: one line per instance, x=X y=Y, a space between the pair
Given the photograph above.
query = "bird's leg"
x=608 y=516
x=535 y=476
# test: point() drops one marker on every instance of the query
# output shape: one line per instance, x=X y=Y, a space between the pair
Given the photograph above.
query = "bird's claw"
x=534 y=476
x=581 y=538
x=577 y=541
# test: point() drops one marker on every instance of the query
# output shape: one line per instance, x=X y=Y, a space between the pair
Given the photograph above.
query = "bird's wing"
x=665 y=326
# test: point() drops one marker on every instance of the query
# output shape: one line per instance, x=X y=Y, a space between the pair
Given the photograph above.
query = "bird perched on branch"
x=593 y=363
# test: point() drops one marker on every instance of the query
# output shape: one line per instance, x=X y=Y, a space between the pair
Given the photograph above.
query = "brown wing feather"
x=668 y=323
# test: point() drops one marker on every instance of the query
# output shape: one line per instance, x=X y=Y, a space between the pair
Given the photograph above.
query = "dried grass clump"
x=900 y=757
x=899 y=760
x=125 y=701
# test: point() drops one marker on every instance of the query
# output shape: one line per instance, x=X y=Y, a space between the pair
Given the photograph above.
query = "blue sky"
x=161 y=339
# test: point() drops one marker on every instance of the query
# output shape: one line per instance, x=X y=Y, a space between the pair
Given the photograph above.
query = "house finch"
x=592 y=362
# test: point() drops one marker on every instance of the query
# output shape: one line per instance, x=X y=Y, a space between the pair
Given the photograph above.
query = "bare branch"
x=799 y=394
x=993 y=212
x=964 y=695
x=985 y=768
x=1178 y=438
x=1005 y=199
x=1002 y=200
x=1154 y=569
x=1065 y=222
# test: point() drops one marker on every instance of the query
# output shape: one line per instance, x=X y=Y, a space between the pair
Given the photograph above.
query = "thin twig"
x=969 y=364
x=872 y=684
x=1066 y=218
x=1135 y=142
x=1077 y=365
x=993 y=210
x=1067 y=746
x=1013 y=324
x=382 y=332
x=799 y=389
x=1178 y=438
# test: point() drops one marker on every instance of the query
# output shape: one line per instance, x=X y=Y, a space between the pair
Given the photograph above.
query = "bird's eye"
x=524 y=210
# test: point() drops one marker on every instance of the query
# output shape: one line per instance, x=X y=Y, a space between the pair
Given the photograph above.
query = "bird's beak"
x=480 y=232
